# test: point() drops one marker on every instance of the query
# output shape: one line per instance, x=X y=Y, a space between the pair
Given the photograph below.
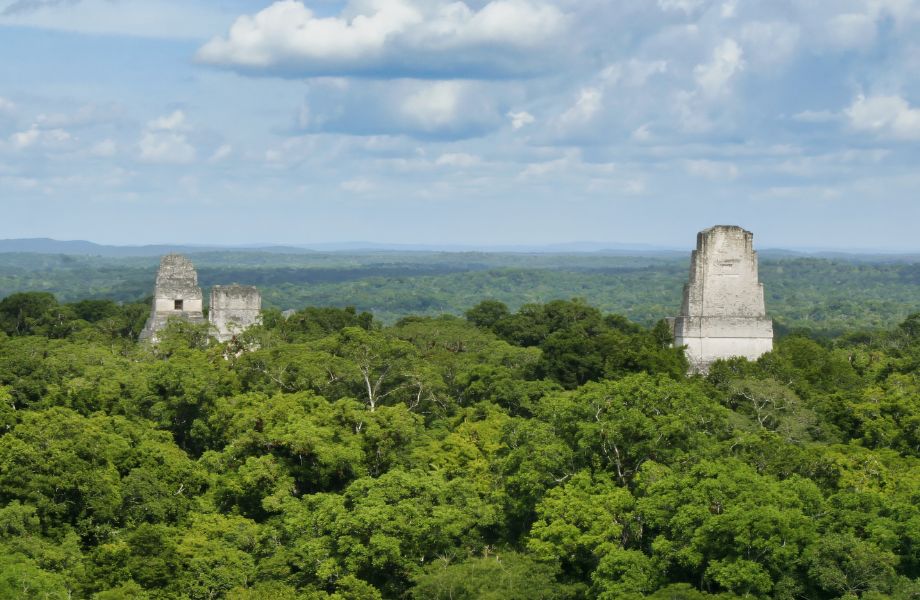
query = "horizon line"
x=570 y=247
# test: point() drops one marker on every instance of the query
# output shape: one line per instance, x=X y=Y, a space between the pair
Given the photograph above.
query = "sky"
x=471 y=122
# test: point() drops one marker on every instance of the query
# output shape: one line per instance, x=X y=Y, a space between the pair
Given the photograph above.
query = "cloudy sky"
x=464 y=122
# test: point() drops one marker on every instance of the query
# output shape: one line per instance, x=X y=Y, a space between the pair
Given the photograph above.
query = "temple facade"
x=175 y=295
x=233 y=309
x=723 y=313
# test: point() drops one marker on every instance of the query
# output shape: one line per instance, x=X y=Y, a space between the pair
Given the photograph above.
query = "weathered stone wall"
x=723 y=313
x=177 y=282
x=233 y=309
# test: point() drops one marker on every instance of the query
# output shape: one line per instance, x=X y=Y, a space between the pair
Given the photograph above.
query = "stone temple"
x=723 y=313
x=233 y=309
x=176 y=295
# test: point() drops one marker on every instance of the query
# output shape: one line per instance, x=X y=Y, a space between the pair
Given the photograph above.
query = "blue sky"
x=461 y=122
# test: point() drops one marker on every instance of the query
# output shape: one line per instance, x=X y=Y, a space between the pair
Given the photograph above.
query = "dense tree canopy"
x=551 y=452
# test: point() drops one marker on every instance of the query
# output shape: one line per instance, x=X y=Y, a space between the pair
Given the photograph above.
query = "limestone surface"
x=723 y=313
x=233 y=309
x=176 y=295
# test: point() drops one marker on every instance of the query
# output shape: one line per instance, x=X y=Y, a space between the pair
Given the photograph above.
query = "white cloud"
x=357 y=186
x=452 y=109
x=859 y=24
x=632 y=72
x=520 y=119
x=86 y=115
x=170 y=122
x=20 y=183
x=833 y=164
x=165 y=141
x=727 y=60
x=691 y=116
x=34 y=137
x=544 y=168
x=287 y=30
x=104 y=149
x=436 y=105
x=685 y=6
x=815 y=116
x=6 y=106
x=886 y=116
x=634 y=187
x=24 y=139
x=150 y=18
x=589 y=102
x=458 y=159
x=20 y=6
x=642 y=133
x=852 y=30
x=304 y=116
x=222 y=153
x=712 y=170
x=609 y=98
x=770 y=42
x=166 y=148
x=414 y=37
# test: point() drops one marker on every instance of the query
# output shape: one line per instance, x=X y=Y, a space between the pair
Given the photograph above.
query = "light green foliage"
x=846 y=565
x=581 y=521
x=385 y=529
x=508 y=576
x=216 y=554
x=724 y=522
x=772 y=406
x=378 y=367
x=619 y=425
x=888 y=414
x=22 y=579
x=624 y=573
x=282 y=445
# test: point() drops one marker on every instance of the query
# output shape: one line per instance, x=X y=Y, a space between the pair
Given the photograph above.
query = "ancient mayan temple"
x=176 y=295
x=723 y=313
x=233 y=309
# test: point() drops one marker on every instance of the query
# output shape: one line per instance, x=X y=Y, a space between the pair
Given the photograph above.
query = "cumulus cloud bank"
x=416 y=38
x=23 y=6
x=887 y=116
x=389 y=104
x=164 y=141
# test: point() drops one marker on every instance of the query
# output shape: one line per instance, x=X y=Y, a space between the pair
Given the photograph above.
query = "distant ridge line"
x=87 y=248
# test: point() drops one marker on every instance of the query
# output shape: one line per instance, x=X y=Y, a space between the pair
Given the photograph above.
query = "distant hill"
x=86 y=248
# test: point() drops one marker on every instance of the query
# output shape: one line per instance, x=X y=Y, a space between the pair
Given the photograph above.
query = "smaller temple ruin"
x=723 y=313
x=176 y=295
x=233 y=309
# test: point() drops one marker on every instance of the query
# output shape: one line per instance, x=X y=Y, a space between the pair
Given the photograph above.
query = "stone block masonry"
x=233 y=309
x=176 y=295
x=723 y=313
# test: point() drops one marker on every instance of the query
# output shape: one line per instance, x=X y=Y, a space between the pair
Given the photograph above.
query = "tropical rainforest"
x=550 y=451
x=829 y=295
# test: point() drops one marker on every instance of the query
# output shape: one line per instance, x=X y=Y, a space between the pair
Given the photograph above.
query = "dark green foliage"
x=579 y=344
x=28 y=312
x=314 y=323
x=553 y=451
